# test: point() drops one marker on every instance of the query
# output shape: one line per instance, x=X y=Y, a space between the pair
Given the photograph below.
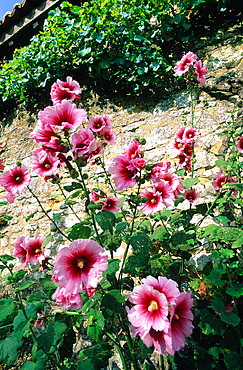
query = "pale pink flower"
x=10 y=197
x=154 y=203
x=134 y=150
x=43 y=133
x=96 y=123
x=44 y=163
x=200 y=71
x=239 y=144
x=166 y=192
x=191 y=195
x=63 y=116
x=111 y=204
x=184 y=64
x=80 y=265
x=35 y=253
x=156 y=339
x=166 y=286
x=82 y=141
x=69 y=90
x=19 y=249
x=15 y=180
x=66 y=299
x=107 y=135
x=124 y=173
x=171 y=178
x=95 y=149
x=158 y=169
x=180 y=323
x=150 y=309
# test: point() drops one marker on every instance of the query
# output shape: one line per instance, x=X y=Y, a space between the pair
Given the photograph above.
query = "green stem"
x=69 y=205
x=47 y=215
x=117 y=345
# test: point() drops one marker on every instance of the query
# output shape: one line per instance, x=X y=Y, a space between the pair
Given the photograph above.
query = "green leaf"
x=25 y=285
x=140 y=242
x=106 y=220
x=7 y=306
x=8 y=349
x=111 y=303
x=230 y=318
x=218 y=305
x=79 y=231
x=39 y=365
x=210 y=324
x=95 y=357
x=51 y=336
x=30 y=216
x=160 y=233
x=235 y=291
x=6 y=258
x=232 y=360
x=189 y=183
x=73 y=186
x=222 y=163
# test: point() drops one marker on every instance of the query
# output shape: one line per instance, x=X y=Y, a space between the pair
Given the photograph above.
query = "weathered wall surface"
x=157 y=123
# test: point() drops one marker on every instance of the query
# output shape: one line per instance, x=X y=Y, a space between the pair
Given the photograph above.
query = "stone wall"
x=157 y=123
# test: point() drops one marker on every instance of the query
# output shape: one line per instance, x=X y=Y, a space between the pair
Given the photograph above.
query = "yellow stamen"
x=153 y=200
x=176 y=316
x=153 y=306
x=80 y=264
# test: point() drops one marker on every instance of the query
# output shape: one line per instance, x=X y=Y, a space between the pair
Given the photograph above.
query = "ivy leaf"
x=95 y=357
x=39 y=365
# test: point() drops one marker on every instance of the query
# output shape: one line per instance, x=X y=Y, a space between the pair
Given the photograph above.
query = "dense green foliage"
x=110 y=45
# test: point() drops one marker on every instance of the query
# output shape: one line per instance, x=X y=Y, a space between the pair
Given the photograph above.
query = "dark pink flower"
x=184 y=64
x=200 y=71
x=191 y=195
x=154 y=203
x=179 y=136
x=180 y=323
x=158 y=169
x=239 y=144
x=139 y=163
x=177 y=145
x=134 y=150
x=150 y=310
x=82 y=141
x=67 y=300
x=166 y=286
x=107 y=135
x=96 y=123
x=40 y=320
x=124 y=173
x=156 y=339
x=111 y=204
x=80 y=265
x=63 y=116
x=33 y=247
x=219 y=179
x=95 y=149
x=15 y=180
x=166 y=192
x=44 y=163
x=19 y=249
x=69 y=90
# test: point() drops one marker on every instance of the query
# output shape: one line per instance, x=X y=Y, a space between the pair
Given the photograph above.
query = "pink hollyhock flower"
x=158 y=169
x=239 y=144
x=154 y=203
x=134 y=150
x=111 y=204
x=191 y=135
x=95 y=149
x=44 y=163
x=124 y=172
x=43 y=133
x=188 y=150
x=191 y=195
x=139 y=163
x=220 y=179
x=10 y=197
x=82 y=141
x=67 y=300
x=33 y=247
x=172 y=179
x=179 y=136
x=177 y=145
x=184 y=64
x=180 y=323
x=90 y=291
x=200 y=71
x=166 y=286
x=150 y=310
x=165 y=192
x=20 y=250
x=69 y=90
x=107 y=135
x=15 y=180
x=63 y=116
x=96 y=123
x=39 y=322
x=80 y=265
